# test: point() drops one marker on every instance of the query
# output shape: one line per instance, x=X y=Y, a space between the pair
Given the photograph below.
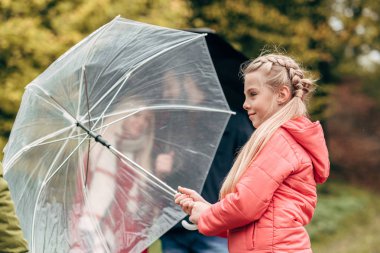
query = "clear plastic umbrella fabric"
x=107 y=132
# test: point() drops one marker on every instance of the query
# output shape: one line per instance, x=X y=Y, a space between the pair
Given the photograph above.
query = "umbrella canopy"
x=107 y=131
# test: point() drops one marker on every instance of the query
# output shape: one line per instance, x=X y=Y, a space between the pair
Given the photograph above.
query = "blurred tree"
x=356 y=24
x=299 y=27
x=329 y=37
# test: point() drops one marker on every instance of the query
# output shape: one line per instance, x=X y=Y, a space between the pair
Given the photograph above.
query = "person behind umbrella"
x=11 y=236
x=114 y=188
x=227 y=61
x=270 y=193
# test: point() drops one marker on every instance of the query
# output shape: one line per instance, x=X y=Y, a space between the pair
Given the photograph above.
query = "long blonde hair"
x=281 y=70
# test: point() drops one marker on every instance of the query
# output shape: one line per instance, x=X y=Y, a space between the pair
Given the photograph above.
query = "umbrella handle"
x=189 y=226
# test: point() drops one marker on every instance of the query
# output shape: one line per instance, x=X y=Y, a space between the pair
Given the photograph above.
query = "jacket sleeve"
x=11 y=236
x=253 y=194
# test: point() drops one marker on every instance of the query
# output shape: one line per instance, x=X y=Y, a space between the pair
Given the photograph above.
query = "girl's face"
x=136 y=125
x=260 y=99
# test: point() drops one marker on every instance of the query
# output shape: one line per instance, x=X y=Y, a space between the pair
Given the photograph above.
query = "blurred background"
x=338 y=41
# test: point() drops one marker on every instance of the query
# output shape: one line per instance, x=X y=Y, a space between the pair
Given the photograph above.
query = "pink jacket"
x=276 y=196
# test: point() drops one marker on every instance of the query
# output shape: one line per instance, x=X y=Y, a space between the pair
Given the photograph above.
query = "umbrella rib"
x=40 y=142
x=110 y=61
x=67 y=158
x=179 y=146
x=34 y=144
x=109 y=104
x=58 y=140
x=56 y=105
x=158 y=107
x=123 y=80
x=80 y=90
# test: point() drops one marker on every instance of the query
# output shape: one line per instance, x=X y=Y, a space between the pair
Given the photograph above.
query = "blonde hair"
x=281 y=70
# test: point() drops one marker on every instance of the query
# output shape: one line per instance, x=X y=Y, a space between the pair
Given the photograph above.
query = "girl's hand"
x=185 y=202
x=188 y=199
x=192 y=194
x=197 y=209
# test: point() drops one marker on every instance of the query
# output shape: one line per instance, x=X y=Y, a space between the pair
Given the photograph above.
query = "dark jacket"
x=236 y=134
x=11 y=236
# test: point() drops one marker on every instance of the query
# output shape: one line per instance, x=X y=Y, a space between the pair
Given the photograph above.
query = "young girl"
x=270 y=193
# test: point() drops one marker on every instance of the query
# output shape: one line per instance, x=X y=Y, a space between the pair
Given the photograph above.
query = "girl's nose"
x=245 y=105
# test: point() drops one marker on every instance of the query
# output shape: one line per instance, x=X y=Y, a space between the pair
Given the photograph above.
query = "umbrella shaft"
x=97 y=137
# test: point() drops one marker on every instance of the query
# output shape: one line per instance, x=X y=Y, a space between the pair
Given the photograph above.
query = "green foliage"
x=299 y=27
x=337 y=204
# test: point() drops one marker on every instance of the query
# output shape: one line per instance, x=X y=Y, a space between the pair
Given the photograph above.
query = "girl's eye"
x=252 y=94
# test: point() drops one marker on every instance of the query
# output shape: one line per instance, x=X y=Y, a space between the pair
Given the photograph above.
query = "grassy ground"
x=347 y=220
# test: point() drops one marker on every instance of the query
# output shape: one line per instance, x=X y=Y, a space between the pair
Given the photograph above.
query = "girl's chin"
x=255 y=123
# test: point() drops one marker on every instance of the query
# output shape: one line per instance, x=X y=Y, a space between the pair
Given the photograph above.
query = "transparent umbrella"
x=107 y=132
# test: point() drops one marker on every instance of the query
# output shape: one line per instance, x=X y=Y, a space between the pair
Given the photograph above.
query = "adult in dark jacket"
x=11 y=236
x=227 y=63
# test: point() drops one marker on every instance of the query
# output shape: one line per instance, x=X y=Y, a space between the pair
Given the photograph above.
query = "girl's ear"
x=283 y=95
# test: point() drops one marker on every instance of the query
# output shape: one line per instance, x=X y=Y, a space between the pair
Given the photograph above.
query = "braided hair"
x=286 y=67
x=281 y=70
